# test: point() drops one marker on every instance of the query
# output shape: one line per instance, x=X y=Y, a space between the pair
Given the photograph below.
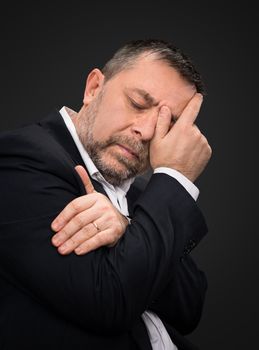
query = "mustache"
x=140 y=148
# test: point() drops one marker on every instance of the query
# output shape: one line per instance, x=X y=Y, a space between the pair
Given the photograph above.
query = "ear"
x=94 y=84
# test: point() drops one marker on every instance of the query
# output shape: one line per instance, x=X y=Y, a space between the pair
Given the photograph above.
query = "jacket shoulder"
x=37 y=174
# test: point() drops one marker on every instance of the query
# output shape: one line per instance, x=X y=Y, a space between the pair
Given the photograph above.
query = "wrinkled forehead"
x=157 y=81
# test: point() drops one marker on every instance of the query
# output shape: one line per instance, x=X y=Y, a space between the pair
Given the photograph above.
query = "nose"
x=144 y=126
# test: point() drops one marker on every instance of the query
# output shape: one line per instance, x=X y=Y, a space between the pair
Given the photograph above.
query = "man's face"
x=117 y=125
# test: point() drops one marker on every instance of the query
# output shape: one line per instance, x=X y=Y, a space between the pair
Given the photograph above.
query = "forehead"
x=155 y=77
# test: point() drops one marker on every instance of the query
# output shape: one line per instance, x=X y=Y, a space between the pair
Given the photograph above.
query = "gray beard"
x=131 y=168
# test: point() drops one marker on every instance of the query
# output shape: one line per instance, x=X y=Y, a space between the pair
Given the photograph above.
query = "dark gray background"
x=47 y=52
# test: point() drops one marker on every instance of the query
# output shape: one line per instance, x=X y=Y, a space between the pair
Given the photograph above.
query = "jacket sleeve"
x=105 y=289
x=181 y=303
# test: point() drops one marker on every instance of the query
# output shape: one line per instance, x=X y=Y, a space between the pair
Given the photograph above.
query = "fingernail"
x=78 y=251
x=163 y=111
x=55 y=241
x=62 y=248
x=55 y=226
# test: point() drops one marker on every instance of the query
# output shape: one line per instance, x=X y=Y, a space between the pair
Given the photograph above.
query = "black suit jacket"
x=95 y=301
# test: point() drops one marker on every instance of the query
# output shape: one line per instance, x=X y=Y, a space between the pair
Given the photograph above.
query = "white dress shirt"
x=159 y=338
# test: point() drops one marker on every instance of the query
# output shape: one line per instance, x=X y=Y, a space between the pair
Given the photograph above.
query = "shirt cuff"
x=186 y=183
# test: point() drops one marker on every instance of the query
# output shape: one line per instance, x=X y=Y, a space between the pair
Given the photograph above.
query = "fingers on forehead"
x=192 y=109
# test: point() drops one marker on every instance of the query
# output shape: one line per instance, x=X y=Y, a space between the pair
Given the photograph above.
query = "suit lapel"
x=55 y=126
x=135 y=191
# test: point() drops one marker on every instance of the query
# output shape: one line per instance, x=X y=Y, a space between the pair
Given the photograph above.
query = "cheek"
x=109 y=122
x=102 y=129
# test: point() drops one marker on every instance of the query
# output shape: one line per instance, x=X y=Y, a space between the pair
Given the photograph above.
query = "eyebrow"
x=146 y=96
x=150 y=100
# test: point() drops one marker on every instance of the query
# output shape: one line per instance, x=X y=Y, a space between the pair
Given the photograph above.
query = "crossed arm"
x=76 y=231
x=108 y=288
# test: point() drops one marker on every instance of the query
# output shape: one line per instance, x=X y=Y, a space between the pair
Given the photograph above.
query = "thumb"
x=163 y=122
x=85 y=179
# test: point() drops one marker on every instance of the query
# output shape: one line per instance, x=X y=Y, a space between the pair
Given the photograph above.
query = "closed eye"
x=137 y=106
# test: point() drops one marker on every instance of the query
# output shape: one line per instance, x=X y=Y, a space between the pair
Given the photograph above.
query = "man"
x=125 y=285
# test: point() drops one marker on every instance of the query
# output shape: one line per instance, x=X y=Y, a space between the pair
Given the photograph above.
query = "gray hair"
x=127 y=55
